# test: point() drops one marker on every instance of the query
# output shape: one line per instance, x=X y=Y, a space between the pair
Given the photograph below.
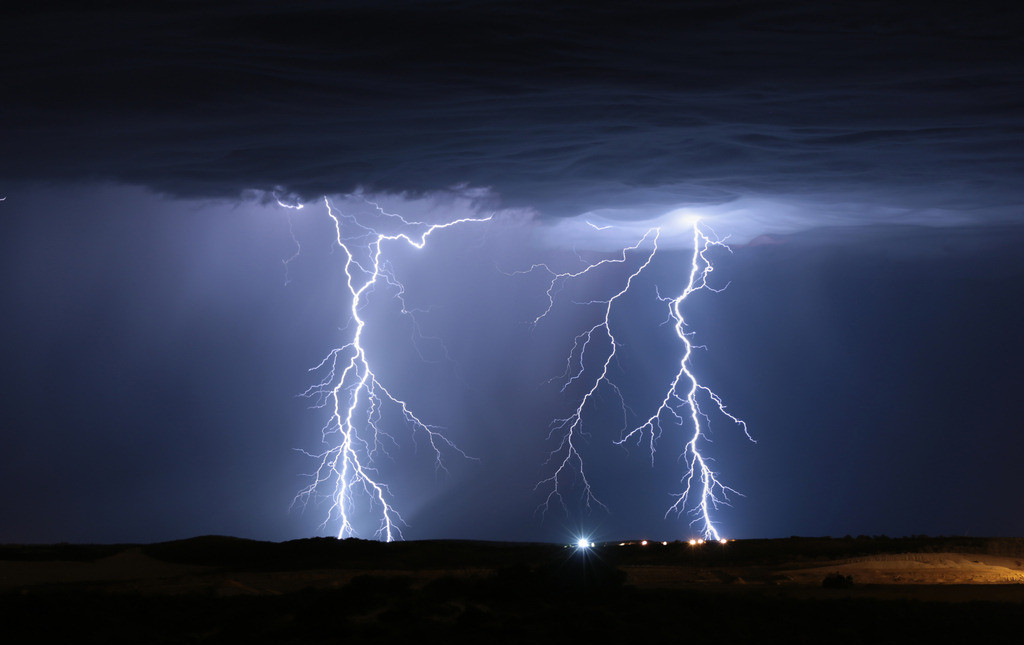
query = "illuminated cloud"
x=808 y=115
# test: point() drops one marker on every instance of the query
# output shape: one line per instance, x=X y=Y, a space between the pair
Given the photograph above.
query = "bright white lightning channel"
x=681 y=404
x=352 y=391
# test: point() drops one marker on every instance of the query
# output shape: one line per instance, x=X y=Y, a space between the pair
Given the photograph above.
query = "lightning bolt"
x=681 y=403
x=352 y=391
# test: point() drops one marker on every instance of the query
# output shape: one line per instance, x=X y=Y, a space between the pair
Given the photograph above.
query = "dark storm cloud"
x=567 y=110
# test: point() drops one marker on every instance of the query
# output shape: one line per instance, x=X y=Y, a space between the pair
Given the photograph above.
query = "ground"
x=218 y=589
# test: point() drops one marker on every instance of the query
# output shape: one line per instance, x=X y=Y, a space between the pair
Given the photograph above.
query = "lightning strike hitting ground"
x=352 y=391
x=681 y=402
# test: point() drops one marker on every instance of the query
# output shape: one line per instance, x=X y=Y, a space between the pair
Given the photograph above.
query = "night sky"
x=162 y=309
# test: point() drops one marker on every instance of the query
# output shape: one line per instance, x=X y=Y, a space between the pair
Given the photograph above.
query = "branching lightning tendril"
x=291 y=232
x=352 y=391
x=681 y=404
x=567 y=454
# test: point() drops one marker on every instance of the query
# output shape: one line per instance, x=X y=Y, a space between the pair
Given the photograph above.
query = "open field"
x=219 y=589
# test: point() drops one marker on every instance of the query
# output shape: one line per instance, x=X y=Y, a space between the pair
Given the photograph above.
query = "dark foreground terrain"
x=797 y=590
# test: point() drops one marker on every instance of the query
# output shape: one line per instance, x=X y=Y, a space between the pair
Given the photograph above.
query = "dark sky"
x=866 y=160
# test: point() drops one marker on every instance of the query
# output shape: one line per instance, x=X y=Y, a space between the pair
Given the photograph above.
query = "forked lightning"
x=351 y=390
x=681 y=404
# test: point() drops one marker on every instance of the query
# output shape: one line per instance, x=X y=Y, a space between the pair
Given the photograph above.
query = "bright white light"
x=584 y=543
x=682 y=219
x=643 y=543
x=693 y=542
x=724 y=541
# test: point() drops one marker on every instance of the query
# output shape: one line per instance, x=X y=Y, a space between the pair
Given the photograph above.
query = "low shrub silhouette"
x=837 y=581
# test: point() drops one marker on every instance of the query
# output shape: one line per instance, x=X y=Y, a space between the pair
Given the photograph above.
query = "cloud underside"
x=564 y=112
